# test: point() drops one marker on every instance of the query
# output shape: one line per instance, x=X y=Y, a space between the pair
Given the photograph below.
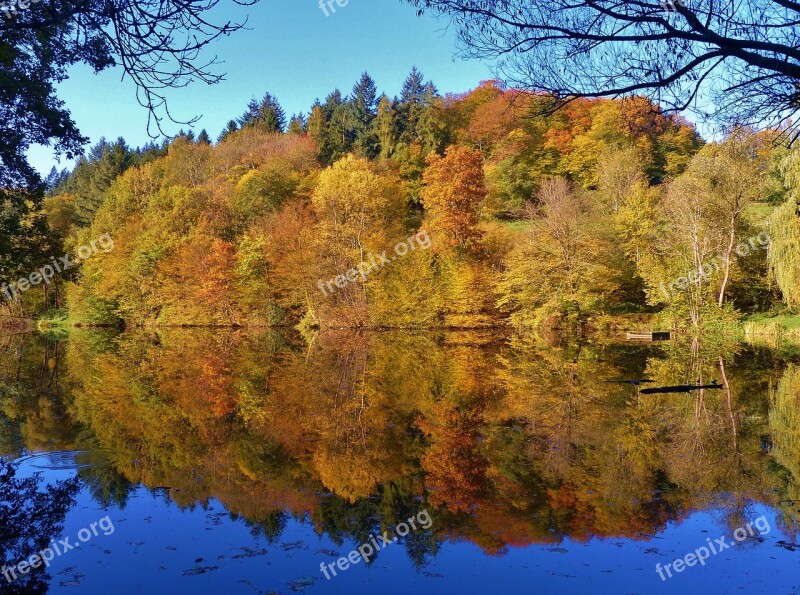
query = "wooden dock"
x=647 y=335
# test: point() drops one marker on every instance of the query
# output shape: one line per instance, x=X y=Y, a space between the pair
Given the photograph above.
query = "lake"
x=189 y=460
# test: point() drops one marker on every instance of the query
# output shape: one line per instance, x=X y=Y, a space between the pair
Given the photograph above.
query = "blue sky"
x=293 y=51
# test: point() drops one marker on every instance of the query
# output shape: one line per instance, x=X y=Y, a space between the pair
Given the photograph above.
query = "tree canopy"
x=736 y=61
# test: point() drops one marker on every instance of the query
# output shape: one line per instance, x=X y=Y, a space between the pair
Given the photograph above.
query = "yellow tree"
x=358 y=211
x=565 y=265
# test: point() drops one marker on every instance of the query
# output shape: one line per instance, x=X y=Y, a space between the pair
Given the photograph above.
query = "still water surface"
x=227 y=462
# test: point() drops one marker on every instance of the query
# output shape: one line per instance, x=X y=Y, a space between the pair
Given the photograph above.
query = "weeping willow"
x=784 y=253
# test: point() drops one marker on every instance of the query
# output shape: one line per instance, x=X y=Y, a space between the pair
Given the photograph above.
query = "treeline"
x=534 y=217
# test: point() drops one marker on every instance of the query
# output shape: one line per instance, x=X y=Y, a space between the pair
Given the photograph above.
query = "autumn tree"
x=585 y=49
x=453 y=193
x=704 y=210
x=562 y=267
x=357 y=210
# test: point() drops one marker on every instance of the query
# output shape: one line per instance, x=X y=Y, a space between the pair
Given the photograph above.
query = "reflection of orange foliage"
x=201 y=383
x=255 y=499
x=213 y=383
x=509 y=528
x=590 y=515
x=456 y=469
x=353 y=473
x=264 y=425
x=562 y=497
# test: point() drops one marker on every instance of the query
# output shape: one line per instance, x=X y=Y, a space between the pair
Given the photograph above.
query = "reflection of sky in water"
x=158 y=548
x=543 y=452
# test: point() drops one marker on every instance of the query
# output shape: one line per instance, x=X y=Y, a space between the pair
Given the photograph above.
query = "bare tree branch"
x=733 y=63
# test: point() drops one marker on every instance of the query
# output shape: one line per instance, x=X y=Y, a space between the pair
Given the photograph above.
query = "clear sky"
x=293 y=51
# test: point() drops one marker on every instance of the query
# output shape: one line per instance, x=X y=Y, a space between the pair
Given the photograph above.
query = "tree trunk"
x=728 y=253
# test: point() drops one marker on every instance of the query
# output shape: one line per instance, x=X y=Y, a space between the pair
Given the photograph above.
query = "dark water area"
x=231 y=462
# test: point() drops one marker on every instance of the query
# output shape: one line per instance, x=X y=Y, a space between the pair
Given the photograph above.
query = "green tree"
x=386 y=126
x=784 y=230
x=229 y=129
x=267 y=115
x=297 y=124
x=364 y=102
x=414 y=96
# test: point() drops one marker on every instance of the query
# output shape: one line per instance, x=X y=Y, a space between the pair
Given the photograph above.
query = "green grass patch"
x=773 y=331
x=758 y=212
x=517 y=226
x=787 y=321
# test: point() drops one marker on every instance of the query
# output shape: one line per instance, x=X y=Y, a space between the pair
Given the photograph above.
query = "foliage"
x=503 y=439
x=562 y=218
x=453 y=193
x=30 y=518
x=699 y=62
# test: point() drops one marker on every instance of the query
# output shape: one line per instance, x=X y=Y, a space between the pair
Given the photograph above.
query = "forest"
x=537 y=218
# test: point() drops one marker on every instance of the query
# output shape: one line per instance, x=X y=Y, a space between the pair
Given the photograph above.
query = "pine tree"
x=266 y=114
x=332 y=125
x=318 y=130
x=365 y=100
x=363 y=104
x=385 y=126
x=203 y=137
x=431 y=128
x=92 y=176
x=332 y=101
x=342 y=131
x=55 y=181
x=184 y=134
x=415 y=95
x=230 y=128
x=413 y=88
x=298 y=124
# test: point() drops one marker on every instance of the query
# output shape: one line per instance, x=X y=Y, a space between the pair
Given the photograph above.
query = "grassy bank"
x=772 y=331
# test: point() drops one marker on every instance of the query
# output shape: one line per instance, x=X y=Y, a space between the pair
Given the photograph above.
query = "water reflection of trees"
x=31 y=515
x=505 y=440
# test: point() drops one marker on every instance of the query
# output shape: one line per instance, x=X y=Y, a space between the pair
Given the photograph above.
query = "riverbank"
x=757 y=329
x=772 y=331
